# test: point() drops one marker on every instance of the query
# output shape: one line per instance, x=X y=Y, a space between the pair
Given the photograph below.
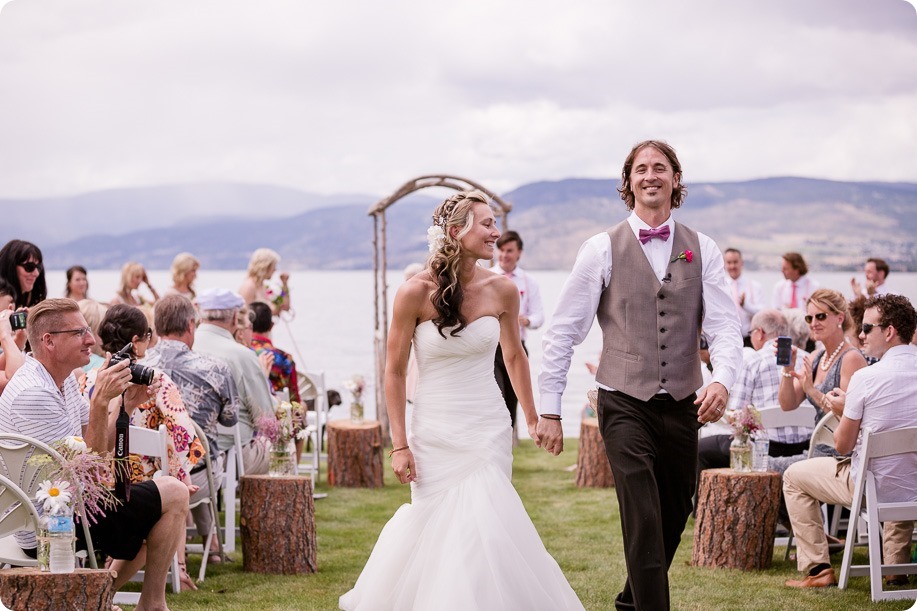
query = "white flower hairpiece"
x=436 y=237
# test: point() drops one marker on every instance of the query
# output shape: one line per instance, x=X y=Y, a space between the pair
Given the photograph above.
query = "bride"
x=465 y=541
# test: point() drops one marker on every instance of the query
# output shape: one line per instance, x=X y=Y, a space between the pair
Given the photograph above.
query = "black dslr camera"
x=17 y=320
x=140 y=374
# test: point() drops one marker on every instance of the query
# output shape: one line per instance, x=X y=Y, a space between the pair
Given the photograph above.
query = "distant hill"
x=834 y=224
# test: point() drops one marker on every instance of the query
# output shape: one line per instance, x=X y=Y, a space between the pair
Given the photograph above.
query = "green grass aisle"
x=579 y=527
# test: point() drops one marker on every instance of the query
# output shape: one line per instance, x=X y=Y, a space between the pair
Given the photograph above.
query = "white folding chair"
x=15 y=464
x=211 y=501
x=879 y=445
x=312 y=386
x=16 y=513
x=233 y=469
x=155 y=444
x=774 y=417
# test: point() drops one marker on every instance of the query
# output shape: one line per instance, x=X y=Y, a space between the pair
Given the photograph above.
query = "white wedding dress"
x=465 y=542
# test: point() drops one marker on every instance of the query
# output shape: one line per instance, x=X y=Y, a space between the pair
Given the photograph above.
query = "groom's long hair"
x=444 y=261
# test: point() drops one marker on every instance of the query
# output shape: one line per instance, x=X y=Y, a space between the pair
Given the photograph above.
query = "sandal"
x=184 y=579
x=214 y=558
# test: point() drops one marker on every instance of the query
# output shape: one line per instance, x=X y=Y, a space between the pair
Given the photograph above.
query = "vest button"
x=663 y=363
x=663 y=380
x=662 y=313
x=662 y=330
x=662 y=347
x=661 y=296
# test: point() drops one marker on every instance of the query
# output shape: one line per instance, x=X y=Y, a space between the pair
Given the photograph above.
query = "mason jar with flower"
x=356 y=385
x=279 y=430
x=745 y=422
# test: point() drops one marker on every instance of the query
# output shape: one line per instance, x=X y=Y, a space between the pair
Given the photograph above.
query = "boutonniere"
x=686 y=255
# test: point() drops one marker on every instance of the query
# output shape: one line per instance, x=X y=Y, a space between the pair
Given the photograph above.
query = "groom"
x=667 y=283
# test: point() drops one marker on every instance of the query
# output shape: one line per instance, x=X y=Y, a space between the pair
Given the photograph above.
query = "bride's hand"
x=403 y=466
x=551 y=435
x=533 y=433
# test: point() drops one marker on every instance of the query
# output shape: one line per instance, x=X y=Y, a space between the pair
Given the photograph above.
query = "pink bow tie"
x=660 y=232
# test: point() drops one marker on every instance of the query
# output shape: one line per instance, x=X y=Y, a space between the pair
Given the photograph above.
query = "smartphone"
x=784 y=351
x=17 y=320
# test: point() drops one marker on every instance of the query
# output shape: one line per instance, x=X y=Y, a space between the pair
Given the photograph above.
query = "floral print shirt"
x=185 y=449
x=283 y=371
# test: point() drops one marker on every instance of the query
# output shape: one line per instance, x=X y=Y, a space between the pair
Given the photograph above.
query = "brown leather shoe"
x=896 y=580
x=822 y=580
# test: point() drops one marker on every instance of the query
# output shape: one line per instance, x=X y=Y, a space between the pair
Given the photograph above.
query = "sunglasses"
x=867 y=328
x=820 y=317
x=81 y=332
x=30 y=266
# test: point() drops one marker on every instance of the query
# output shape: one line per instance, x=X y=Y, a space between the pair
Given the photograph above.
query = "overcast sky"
x=336 y=96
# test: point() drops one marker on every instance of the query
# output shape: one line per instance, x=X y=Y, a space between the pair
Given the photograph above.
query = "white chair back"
x=15 y=464
x=774 y=417
x=877 y=511
x=824 y=432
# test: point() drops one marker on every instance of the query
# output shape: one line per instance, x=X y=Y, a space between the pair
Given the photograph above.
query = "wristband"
x=551 y=417
x=398 y=450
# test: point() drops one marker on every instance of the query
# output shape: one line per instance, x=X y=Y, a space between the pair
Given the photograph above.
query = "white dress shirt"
x=579 y=301
x=754 y=299
x=883 y=397
x=529 y=297
x=783 y=292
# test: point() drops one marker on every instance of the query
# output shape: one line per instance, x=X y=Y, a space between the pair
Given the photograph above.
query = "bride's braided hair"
x=444 y=261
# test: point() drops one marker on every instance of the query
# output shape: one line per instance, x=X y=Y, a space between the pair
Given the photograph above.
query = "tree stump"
x=277 y=521
x=736 y=519
x=355 y=454
x=592 y=468
x=33 y=590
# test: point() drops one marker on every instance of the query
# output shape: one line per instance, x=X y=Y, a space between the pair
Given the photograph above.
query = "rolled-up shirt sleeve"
x=572 y=319
x=721 y=323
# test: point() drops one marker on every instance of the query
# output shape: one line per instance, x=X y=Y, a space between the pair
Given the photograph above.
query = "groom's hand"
x=551 y=434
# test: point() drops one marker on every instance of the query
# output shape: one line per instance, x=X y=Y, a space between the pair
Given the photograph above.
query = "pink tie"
x=793 y=302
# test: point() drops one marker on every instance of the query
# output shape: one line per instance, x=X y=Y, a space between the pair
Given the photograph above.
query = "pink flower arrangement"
x=745 y=421
x=685 y=255
x=280 y=428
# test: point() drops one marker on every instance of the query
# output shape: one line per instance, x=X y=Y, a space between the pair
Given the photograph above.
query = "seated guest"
x=94 y=312
x=21 y=265
x=123 y=324
x=184 y=273
x=43 y=401
x=77 y=287
x=881 y=398
x=219 y=310
x=824 y=371
x=206 y=387
x=132 y=276
x=283 y=369
x=757 y=383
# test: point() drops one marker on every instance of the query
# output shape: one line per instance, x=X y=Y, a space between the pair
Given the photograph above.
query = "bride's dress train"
x=465 y=542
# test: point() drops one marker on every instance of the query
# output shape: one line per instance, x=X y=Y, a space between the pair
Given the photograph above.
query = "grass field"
x=579 y=527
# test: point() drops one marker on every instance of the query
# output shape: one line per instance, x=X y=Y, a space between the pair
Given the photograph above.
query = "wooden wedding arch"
x=380 y=267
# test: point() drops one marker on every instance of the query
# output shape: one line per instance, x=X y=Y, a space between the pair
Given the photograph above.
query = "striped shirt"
x=33 y=405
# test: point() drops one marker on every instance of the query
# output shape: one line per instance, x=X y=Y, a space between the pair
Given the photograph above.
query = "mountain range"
x=836 y=225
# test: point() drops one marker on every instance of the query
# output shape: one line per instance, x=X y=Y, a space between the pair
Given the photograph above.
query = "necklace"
x=826 y=363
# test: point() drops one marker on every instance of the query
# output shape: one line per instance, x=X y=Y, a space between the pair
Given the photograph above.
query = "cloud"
x=361 y=96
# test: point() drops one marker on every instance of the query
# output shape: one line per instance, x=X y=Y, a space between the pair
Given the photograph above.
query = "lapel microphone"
x=122 y=445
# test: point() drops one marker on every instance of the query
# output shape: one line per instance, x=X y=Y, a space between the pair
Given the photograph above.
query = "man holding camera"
x=42 y=401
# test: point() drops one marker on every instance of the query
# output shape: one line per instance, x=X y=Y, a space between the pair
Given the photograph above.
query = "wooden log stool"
x=736 y=519
x=277 y=521
x=592 y=468
x=34 y=590
x=355 y=454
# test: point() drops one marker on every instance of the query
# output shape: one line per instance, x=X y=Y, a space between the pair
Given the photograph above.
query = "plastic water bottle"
x=62 y=556
x=760 y=451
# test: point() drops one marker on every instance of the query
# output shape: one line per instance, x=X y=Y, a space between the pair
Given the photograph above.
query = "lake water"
x=332 y=329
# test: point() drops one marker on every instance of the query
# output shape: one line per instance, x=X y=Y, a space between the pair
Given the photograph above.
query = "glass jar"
x=356 y=412
x=281 y=459
x=740 y=454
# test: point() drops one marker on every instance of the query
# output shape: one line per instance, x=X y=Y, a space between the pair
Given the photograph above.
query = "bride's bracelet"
x=398 y=450
x=551 y=416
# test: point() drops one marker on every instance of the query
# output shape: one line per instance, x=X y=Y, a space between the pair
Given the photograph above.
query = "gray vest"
x=651 y=329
